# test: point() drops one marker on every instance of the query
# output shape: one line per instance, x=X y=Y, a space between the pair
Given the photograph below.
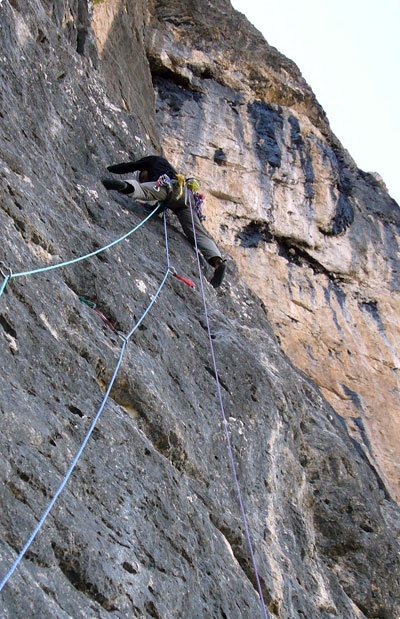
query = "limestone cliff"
x=148 y=524
x=316 y=238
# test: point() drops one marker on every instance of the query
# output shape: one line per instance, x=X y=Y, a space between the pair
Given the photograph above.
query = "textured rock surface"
x=316 y=238
x=149 y=525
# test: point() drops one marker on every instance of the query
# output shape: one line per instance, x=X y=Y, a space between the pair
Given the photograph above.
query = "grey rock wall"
x=149 y=524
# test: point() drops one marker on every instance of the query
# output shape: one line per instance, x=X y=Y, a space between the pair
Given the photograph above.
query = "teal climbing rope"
x=5 y=275
x=79 y=258
x=95 y=419
x=4 y=284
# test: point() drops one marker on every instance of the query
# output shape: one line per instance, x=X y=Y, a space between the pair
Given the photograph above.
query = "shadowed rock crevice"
x=268 y=124
x=300 y=257
x=6 y=325
x=254 y=233
x=299 y=146
x=175 y=93
x=237 y=543
x=71 y=563
x=344 y=217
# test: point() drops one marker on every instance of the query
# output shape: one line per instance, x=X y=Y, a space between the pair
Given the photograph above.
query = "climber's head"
x=193 y=184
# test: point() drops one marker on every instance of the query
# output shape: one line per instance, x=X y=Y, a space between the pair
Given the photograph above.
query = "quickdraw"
x=6 y=276
x=104 y=318
x=4 y=266
x=185 y=280
x=198 y=205
x=163 y=181
x=181 y=183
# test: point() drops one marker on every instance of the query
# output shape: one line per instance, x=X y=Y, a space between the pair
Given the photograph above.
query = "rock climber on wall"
x=155 y=179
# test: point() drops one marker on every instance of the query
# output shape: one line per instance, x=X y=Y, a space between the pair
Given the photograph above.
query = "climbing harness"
x=225 y=425
x=190 y=183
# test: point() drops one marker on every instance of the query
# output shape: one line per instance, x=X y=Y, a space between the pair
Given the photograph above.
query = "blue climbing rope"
x=80 y=258
x=95 y=420
x=225 y=423
x=67 y=476
x=167 y=272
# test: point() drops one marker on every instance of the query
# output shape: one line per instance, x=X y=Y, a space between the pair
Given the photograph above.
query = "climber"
x=154 y=179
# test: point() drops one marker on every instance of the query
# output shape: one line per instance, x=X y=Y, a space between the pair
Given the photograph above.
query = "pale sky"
x=349 y=53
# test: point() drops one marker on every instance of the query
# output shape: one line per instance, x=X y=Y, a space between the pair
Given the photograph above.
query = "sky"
x=348 y=51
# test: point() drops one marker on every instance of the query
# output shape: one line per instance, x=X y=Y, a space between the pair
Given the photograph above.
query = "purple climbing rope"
x=225 y=424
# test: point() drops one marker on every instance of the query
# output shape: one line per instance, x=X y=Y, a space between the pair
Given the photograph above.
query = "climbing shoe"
x=110 y=183
x=218 y=276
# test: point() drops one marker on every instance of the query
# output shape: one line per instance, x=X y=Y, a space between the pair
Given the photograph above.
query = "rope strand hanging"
x=225 y=424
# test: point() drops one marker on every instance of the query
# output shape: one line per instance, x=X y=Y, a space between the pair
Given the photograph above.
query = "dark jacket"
x=154 y=165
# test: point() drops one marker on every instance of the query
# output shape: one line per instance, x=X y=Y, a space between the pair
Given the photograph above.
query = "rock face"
x=148 y=524
x=316 y=238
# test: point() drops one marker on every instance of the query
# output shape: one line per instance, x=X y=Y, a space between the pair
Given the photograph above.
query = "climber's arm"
x=124 y=168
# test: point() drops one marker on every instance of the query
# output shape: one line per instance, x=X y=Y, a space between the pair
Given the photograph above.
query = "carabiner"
x=3 y=264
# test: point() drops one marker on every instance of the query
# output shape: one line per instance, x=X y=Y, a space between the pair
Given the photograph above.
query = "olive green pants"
x=179 y=205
